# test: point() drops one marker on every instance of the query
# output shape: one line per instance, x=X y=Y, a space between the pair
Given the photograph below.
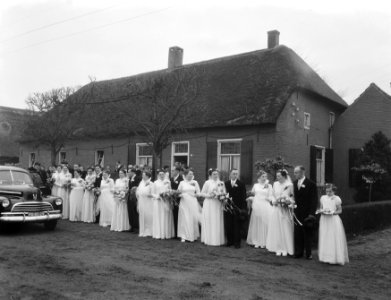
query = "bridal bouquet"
x=97 y=192
x=89 y=186
x=286 y=202
x=170 y=196
x=120 y=194
x=226 y=202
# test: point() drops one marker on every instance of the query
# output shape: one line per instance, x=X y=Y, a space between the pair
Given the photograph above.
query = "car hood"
x=28 y=192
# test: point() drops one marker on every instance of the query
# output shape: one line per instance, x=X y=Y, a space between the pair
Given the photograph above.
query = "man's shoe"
x=309 y=257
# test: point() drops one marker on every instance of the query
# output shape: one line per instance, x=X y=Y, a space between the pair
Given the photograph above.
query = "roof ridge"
x=207 y=61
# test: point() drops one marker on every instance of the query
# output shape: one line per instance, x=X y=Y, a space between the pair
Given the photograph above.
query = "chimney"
x=175 y=57
x=273 y=38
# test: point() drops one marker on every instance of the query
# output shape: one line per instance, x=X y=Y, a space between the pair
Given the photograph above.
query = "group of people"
x=282 y=214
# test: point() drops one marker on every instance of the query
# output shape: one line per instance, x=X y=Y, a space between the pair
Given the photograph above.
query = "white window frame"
x=173 y=153
x=102 y=164
x=322 y=180
x=138 y=145
x=219 y=142
x=307 y=117
x=35 y=158
x=59 y=157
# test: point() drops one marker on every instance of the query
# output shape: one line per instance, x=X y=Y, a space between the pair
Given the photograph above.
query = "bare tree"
x=49 y=123
x=163 y=107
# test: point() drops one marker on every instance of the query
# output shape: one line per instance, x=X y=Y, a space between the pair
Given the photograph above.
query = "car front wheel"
x=50 y=225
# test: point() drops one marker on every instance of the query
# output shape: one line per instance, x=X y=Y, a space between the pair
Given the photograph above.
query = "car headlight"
x=58 y=201
x=4 y=202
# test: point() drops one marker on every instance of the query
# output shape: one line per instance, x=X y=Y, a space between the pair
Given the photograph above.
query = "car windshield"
x=14 y=177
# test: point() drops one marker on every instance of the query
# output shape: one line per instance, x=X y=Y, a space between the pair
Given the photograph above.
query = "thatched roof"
x=245 y=89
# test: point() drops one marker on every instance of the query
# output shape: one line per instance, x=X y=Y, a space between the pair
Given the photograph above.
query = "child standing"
x=332 y=240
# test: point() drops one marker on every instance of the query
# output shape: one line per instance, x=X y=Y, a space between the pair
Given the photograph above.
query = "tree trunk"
x=53 y=155
x=161 y=160
x=154 y=157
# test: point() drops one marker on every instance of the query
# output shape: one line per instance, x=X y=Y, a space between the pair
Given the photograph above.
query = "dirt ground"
x=85 y=261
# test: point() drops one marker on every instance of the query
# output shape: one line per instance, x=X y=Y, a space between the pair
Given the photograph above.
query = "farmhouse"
x=259 y=105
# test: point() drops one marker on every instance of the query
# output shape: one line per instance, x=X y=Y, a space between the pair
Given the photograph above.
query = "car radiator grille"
x=32 y=207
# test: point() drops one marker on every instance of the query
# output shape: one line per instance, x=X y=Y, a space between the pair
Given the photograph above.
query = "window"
x=32 y=159
x=100 y=158
x=180 y=152
x=307 y=120
x=331 y=119
x=144 y=154
x=228 y=156
x=62 y=157
x=320 y=166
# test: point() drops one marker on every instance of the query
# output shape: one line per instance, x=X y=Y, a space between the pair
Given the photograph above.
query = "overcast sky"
x=49 y=44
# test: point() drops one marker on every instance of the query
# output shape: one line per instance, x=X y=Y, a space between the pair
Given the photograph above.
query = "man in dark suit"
x=232 y=220
x=98 y=180
x=134 y=181
x=176 y=179
x=306 y=197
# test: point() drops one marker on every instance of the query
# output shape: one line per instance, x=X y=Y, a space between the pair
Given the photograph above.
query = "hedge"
x=361 y=217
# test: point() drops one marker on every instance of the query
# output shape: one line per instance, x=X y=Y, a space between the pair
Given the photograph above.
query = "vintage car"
x=21 y=201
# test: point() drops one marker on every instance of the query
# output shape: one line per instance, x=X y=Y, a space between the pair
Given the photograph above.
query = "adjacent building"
x=370 y=113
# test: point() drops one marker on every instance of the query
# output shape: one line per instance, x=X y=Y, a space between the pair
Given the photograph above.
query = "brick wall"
x=293 y=141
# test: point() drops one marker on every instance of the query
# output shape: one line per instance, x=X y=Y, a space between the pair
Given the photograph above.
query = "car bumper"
x=25 y=217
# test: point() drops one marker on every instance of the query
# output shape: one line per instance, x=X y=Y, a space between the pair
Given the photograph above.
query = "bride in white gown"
x=189 y=214
x=261 y=211
x=212 y=229
x=145 y=205
x=64 y=190
x=163 y=219
x=280 y=233
x=106 y=200
x=120 y=220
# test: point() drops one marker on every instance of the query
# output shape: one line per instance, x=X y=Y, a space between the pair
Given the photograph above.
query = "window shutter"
x=211 y=156
x=246 y=162
x=132 y=154
x=329 y=165
x=313 y=163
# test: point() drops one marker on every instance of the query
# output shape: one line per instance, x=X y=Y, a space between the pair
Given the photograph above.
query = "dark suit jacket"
x=175 y=182
x=238 y=193
x=306 y=199
x=135 y=182
x=98 y=180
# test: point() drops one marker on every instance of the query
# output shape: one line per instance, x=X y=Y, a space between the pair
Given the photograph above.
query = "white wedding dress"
x=163 y=219
x=106 y=202
x=76 y=199
x=212 y=229
x=332 y=240
x=145 y=207
x=189 y=212
x=260 y=215
x=63 y=192
x=88 y=210
x=280 y=232
x=120 y=220
x=56 y=183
